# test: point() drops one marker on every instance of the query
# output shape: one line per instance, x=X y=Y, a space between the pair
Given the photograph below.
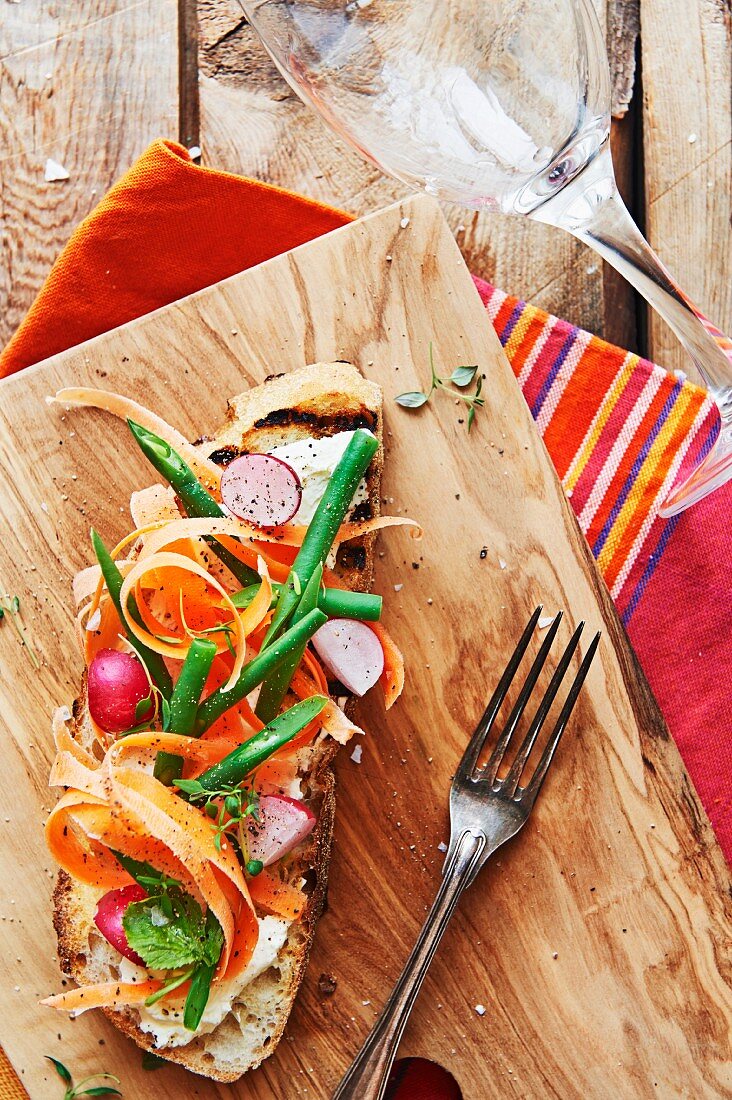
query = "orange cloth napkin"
x=176 y=223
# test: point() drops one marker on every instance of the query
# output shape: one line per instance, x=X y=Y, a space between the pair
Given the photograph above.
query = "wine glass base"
x=713 y=472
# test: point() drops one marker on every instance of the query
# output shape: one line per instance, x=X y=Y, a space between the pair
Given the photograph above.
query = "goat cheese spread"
x=314 y=461
x=166 y=1024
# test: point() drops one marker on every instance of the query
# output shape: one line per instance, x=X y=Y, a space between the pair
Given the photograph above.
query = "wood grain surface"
x=687 y=125
x=88 y=85
x=598 y=940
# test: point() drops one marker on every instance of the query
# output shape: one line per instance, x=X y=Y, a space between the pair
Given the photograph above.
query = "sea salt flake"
x=54 y=171
x=356 y=754
x=194 y=152
x=398 y=587
x=545 y=621
x=442 y=847
x=502 y=563
x=94 y=621
x=480 y=1009
x=404 y=223
x=44 y=506
x=692 y=139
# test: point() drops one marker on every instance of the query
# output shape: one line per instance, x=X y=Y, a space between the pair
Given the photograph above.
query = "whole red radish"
x=116 y=683
x=261 y=489
x=108 y=918
x=283 y=823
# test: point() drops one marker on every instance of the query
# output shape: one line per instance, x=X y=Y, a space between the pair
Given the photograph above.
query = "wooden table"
x=90 y=84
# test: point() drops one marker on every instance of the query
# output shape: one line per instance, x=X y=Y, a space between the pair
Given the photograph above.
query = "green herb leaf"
x=151 y=1061
x=15 y=605
x=99 y=1090
x=61 y=1069
x=213 y=944
x=192 y=787
x=412 y=400
x=463 y=376
x=143 y=707
x=176 y=943
x=471 y=416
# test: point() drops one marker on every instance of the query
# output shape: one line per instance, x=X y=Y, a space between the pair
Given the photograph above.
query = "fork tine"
x=519 y=706
x=511 y=782
x=469 y=758
x=534 y=786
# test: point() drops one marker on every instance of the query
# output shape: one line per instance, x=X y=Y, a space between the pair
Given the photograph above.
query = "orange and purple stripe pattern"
x=619 y=429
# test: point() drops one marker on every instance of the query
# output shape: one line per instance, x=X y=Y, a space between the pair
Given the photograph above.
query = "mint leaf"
x=412 y=400
x=178 y=942
x=463 y=376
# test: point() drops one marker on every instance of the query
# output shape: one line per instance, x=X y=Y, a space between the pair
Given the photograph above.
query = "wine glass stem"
x=590 y=207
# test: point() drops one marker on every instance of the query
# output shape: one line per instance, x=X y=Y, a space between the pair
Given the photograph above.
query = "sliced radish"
x=116 y=683
x=108 y=918
x=352 y=652
x=284 y=822
x=261 y=489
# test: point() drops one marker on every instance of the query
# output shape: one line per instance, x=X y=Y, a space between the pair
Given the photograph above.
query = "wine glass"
x=498 y=104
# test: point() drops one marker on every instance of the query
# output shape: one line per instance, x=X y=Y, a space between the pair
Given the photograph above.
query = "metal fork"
x=485 y=812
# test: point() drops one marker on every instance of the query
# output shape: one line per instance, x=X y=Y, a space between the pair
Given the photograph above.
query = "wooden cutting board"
x=598 y=940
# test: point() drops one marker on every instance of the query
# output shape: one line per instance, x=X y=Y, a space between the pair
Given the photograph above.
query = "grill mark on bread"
x=318 y=423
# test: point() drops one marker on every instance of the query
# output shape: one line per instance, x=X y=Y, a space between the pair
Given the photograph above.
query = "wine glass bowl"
x=486 y=105
x=493 y=104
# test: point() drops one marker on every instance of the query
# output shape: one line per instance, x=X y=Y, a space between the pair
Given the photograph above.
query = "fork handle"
x=367 y=1077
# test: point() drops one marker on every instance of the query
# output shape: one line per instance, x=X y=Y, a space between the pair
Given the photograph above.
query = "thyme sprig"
x=461 y=377
x=74 y=1091
x=228 y=806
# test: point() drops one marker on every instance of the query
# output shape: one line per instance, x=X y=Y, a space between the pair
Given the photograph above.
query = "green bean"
x=198 y=995
x=184 y=705
x=257 y=670
x=336 y=603
x=196 y=500
x=323 y=528
x=234 y=768
x=275 y=686
x=114 y=580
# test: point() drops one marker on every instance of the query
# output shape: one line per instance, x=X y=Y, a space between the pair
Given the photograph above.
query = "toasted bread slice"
x=317 y=400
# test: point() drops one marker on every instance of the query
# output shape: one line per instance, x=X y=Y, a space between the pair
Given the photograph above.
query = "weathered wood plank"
x=687 y=75
x=253 y=124
x=89 y=86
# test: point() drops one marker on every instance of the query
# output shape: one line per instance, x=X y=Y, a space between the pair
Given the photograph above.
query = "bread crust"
x=317 y=400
